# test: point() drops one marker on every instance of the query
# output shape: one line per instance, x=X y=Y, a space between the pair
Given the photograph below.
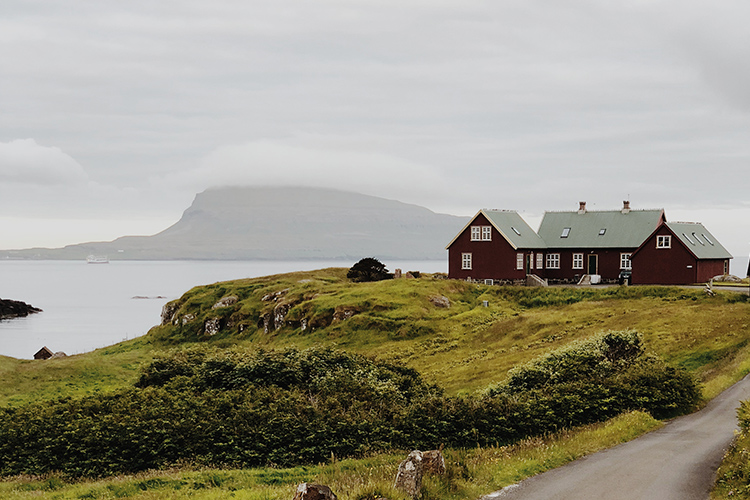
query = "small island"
x=16 y=309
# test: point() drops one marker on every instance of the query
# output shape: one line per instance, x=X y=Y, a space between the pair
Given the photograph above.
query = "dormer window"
x=602 y=231
x=688 y=238
x=707 y=239
x=565 y=232
x=698 y=239
x=515 y=230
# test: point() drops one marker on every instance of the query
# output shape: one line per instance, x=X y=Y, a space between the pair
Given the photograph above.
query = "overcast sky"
x=114 y=114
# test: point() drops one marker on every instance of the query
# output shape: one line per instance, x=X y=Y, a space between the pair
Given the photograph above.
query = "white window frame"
x=577 y=261
x=519 y=261
x=663 y=241
x=625 y=261
x=553 y=261
x=466 y=261
x=540 y=261
x=481 y=233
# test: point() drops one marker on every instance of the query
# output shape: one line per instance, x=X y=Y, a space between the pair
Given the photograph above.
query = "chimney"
x=626 y=207
x=581 y=207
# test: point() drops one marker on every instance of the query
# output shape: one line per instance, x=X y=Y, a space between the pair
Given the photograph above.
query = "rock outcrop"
x=311 y=491
x=433 y=462
x=16 y=309
x=409 y=475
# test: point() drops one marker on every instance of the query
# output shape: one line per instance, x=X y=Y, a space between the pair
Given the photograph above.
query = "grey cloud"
x=517 y=104
x=25 y=161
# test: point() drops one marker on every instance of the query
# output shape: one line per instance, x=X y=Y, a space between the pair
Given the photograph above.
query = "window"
x=577 y=261
x=553 y=261
x=565 y=232
x=726 y=267
x=664 y=241
x=540 y=261
x=625 y=261
x=519 y=261
x=516 y=230
x=602 y=231
x=466 y=261
x=481 y=233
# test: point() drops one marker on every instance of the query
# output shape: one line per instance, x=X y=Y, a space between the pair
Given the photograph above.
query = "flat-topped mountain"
x=281 y=223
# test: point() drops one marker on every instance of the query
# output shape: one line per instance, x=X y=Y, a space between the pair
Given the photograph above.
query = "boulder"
x=409 y=475
x=433 y=462
x=167 y=312
x=212 y=326
x=344 y=312
x=311 y=491
x=273 y=297
x=279 y=315
x=440 y=301
x=226 y=302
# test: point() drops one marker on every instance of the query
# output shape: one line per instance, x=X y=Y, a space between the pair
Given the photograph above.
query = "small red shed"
x=43 y=353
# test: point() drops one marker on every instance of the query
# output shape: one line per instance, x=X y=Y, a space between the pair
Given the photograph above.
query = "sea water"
x=88 y=306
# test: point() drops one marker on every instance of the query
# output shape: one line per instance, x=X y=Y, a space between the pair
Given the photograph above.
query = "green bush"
x=240 y=408
x=368 y=269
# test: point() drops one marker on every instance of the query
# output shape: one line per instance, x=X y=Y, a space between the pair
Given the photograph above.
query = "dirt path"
x=676 y=462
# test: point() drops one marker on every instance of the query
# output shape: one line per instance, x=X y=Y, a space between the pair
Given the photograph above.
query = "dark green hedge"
x=242 y=409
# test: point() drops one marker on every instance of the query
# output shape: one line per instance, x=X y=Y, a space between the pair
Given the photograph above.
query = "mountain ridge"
x=280 y=223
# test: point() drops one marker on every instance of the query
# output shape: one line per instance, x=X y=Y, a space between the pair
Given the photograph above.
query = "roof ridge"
x=619 y=210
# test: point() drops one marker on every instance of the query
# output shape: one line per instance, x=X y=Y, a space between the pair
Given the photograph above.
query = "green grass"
x=464 y=348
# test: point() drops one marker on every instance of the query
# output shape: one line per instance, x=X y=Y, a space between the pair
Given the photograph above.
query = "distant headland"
x=279 y=223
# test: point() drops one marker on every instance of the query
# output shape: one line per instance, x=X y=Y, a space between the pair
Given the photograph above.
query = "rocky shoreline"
x=16 y=309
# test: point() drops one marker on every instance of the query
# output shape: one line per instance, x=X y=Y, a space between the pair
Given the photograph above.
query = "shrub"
x=368 y=269
x=249 y=408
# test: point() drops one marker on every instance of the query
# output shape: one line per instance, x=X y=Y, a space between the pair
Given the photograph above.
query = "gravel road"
x=676 y=462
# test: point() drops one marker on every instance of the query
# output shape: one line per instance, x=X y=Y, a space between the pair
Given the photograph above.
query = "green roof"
x=594 y=229
x=698 y=240
x=511 y=226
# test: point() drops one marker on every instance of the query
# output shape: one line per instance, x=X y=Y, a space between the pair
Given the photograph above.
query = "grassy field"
x=463 y=348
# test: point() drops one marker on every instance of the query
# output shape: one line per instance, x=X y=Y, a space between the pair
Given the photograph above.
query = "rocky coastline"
x=16 y=309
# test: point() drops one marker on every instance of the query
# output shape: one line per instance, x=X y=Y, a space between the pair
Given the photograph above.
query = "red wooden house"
x=498 y=245
x=495 y=245
x=679 y=253
x=595 y=242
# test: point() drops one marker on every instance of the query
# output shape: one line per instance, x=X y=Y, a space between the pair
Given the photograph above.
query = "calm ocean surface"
x=88 y=306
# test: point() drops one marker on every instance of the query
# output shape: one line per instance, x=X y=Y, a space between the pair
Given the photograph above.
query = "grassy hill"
x=463 y=347
x=439 y=327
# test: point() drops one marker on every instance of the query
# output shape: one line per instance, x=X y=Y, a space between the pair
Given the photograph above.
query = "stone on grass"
x=311 y=491
x=409 y=475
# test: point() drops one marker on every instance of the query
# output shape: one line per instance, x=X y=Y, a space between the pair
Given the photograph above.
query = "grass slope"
x=463 y=348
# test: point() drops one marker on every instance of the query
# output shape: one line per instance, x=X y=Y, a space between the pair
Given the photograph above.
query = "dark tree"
x=368 y=269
